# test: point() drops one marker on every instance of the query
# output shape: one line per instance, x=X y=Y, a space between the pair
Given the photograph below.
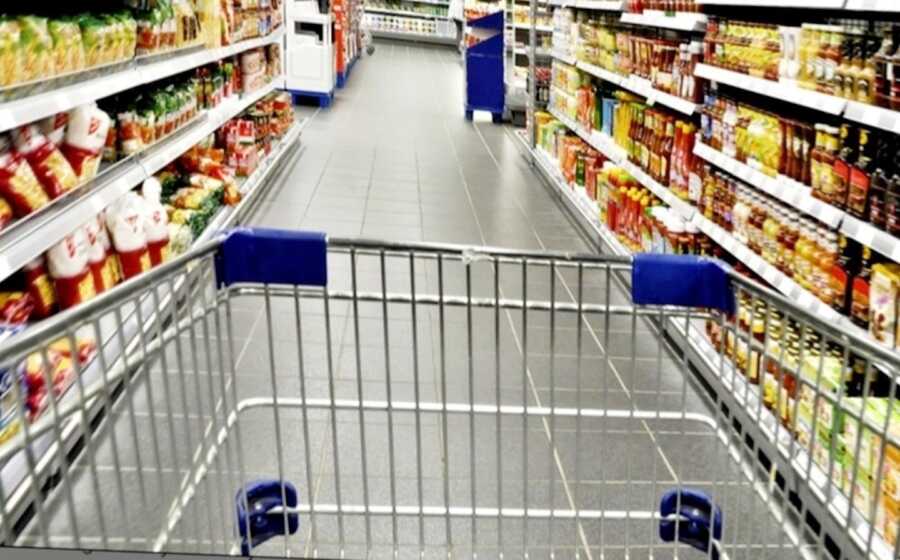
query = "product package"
x=68 y=266
x=124 y=220
x=50 y=166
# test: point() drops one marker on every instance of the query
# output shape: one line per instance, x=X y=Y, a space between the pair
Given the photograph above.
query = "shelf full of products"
x=616 y=202
x=201 y=190
x=411 y=28
x=74 y=65
x=407 y=8
x=717 y=178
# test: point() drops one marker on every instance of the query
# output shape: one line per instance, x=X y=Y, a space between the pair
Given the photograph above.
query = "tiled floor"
x=393 y=159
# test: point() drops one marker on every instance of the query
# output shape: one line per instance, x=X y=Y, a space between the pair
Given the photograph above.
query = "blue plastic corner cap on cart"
x=690 y=517
x=256 y=522
x=682 y=280
x=273 y=256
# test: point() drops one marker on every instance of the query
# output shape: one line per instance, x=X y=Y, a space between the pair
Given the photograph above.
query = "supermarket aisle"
x=394 y=159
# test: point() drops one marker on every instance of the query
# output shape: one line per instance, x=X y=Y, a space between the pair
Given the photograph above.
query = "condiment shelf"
x=777 y=90
x=28 y=109
x=13 y=472
x=642 y=87
x=808 y=480
x=865 y=233
x=876 y=117
x=787 y=190
x=17 y=249
x=578 y=203
x=827 y=502
x=679 y=21
x=402 y=13
x=600 y=141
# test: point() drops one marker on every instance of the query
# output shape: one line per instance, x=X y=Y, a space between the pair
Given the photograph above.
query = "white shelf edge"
x=776 y=90
x=786 y=190
x=820 y=4
x=869 y=235
x=871 y=115
x=570 y=60
x=400 y=13
x=62 y=222
x=23 y=111
x=641 y=87
x=681 y=21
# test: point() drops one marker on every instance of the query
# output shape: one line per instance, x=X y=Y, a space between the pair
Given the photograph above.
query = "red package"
x=50 y=166
x=15 y=307
x=84 y=140
x=19 y=186
x=40 y=288
x=68 y=266
x=156 y=222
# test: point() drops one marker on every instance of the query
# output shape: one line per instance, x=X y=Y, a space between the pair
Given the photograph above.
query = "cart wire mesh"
x=431 y=401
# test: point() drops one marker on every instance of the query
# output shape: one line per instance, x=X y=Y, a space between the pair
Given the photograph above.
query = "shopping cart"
x=369 y=399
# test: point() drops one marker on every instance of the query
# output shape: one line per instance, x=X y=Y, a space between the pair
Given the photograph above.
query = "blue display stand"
x=485 y=89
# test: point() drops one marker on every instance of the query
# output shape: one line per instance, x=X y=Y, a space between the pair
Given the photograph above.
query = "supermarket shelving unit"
x=800 y=480
x=31 y=236
x=426 y=21
x=518 y=50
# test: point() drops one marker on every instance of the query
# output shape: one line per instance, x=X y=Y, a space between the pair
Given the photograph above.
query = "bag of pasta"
x=37 y=47
x=11 y=59
x=68 y=265
x=50 y=166
x=19 y=186
x=85 y=137
x=125 y=222
x=68 y=50
x=40 y=288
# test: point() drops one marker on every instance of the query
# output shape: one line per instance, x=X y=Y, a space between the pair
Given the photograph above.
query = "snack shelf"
x=49 y=227
x=679 y=21
x=787 y=190
x=46 y=449
x=28 y=109
x=777 y=90
x=642 y=87
x=402 y=13
x=563 y=57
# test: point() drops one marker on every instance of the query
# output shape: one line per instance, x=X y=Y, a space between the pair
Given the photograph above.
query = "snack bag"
x=93 y=40
x=124 y=220
x=68 y=51
x=54 y=127
x=49 y=165
x=96 y=254
x=40 y=288
x=68 y=264
x=111 y=266
x=110 y=148
x=156 y=222
x=19 y=186
x=11 y=55
x=37 y=47
x=85 y=139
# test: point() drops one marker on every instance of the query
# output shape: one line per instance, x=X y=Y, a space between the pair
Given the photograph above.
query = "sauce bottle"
x=843 y=270
x=879 y=184
x=892 y=202
x=865 y=83
x=849 y=137
x=861 y=175
x=884 y=70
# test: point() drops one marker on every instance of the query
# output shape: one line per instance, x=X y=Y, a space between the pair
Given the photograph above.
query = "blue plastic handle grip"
x=272 y=256
x=682 y=280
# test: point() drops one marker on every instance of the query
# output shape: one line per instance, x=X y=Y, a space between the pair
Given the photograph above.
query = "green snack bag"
x=68 y=50
x=92 y=37
x=37 y=48
x=11 y=54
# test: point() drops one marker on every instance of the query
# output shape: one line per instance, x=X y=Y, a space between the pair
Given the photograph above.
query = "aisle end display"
x=484 y=65
x=311 y=57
